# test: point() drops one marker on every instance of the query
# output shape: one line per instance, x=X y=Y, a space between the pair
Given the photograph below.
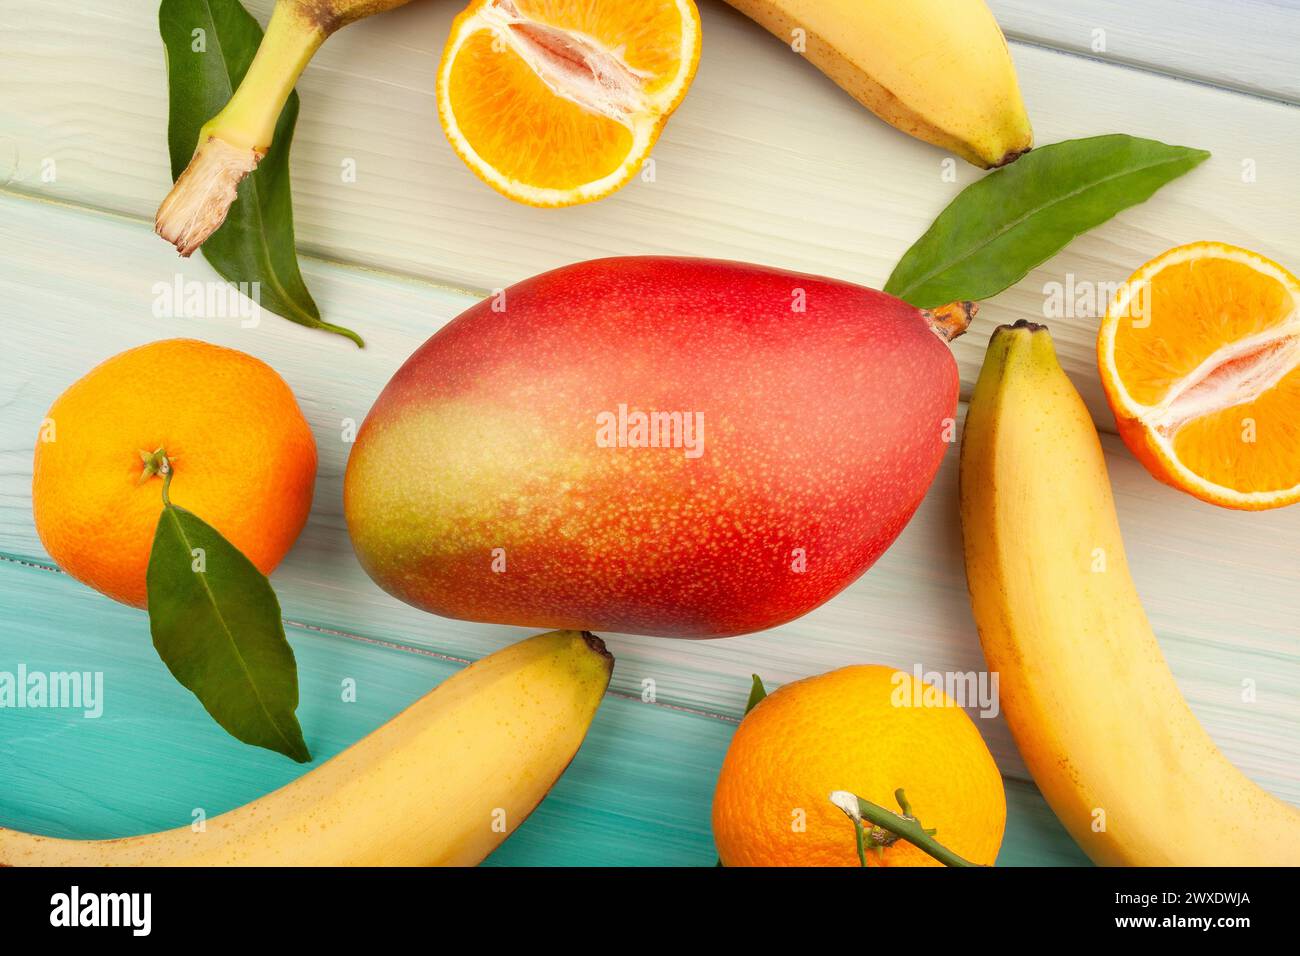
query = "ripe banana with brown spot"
x=441 y=784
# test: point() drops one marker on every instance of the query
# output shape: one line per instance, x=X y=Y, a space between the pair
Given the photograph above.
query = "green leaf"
x=756 y=693
x=216 y=625
x=1008 y=222
x=256 y=242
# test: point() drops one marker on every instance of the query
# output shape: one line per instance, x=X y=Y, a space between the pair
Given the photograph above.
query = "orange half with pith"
x=557 y=102
x=1199 y=354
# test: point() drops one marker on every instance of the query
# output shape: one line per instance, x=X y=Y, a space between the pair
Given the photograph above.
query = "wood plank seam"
x=425 y=283
x=1020 y=40
x=403 y=648
x=9 y=191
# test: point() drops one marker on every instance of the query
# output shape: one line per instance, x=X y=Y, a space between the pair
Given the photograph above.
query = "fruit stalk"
x=233 y=142
x=1093 y=706
x=952 y=320
x=441 y=784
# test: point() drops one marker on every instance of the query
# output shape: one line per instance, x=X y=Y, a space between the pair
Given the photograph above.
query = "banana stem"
x=906 y=827
x=249 y=119
x=233 y=142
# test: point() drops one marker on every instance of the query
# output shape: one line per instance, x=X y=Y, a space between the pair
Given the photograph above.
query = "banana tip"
x=1023 y=324
x=597 y=645
x=1010 y=156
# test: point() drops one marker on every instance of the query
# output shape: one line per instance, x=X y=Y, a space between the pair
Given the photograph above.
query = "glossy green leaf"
x=216 y=624
x=1008 y=222
x=209 y=45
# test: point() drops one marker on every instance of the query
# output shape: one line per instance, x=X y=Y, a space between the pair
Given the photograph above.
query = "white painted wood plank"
x=1249 y=45
x=766 y=161
x=77 y=287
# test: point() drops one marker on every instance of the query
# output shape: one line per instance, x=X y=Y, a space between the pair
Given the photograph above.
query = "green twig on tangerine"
x=888 y=827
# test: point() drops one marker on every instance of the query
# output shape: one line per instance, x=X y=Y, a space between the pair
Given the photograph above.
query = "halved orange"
x=556 y=102
x=1200 y=358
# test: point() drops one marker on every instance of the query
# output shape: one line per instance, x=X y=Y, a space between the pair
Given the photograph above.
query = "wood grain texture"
x=1247 y=45
x=638 y=793
x=766 y=161
x=1190 y=559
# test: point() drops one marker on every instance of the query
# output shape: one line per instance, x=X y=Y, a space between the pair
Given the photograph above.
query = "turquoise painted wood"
x=638 y=793
x=154 y=756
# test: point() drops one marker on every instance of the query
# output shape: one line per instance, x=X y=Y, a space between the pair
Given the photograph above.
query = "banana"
x=233 y=142
x=442 y=783
x=1094 y=709
x=938 y=70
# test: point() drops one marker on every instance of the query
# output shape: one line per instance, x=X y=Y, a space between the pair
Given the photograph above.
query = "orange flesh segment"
x=1194 y=308
x=522 y=129
x=1254 y=446
x=1217 y=370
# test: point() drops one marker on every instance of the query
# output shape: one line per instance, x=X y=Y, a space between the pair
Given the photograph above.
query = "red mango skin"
x=476 y=488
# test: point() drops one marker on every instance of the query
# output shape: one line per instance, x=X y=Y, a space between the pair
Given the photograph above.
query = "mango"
x=679 y=447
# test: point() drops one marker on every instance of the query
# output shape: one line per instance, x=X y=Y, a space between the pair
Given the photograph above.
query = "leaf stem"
x=340 y=330
x=906 y=827
x=248 y=119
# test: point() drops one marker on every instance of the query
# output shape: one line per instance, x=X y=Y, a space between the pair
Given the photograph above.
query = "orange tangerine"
x=869 y=730
x=242 y=456
x=1199 y=354
x=557 y=102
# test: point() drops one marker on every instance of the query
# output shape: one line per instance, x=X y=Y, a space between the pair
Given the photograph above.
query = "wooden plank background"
x=1236 y=44
x=766 y=161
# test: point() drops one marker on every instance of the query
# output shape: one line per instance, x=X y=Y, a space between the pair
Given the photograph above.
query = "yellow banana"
x=442 y=783
x=938 y=70
x=1095 y=711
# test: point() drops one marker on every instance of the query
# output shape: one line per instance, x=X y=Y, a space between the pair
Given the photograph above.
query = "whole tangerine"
x=241 y=454
x=870 y=730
